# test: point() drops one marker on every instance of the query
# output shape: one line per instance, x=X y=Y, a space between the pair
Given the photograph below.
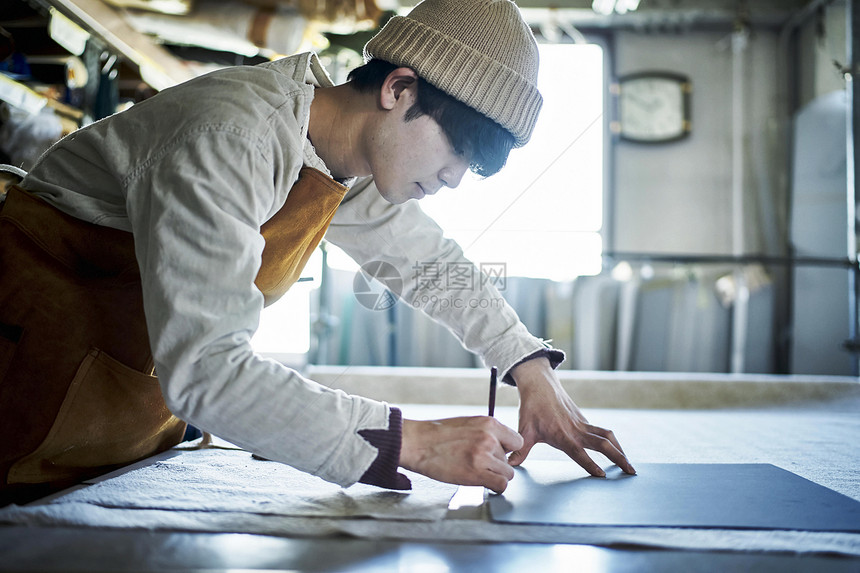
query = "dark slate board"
x=725 y=496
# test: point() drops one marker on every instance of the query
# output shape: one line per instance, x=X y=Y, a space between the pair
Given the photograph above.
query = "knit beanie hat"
x=481 y=52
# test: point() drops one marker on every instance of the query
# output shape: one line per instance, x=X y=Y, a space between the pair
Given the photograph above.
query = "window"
x=542 y=214
x=285 y=327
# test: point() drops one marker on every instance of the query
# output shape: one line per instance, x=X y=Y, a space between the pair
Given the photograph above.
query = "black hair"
x=471 y=133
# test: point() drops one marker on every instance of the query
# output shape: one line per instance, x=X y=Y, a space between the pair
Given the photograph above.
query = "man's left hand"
x=549 y=415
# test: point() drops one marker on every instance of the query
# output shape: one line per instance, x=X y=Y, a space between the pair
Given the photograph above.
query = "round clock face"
x=653 y=108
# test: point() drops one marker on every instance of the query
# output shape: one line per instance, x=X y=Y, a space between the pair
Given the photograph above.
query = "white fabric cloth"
x=231 y=481
x=819 y=445
x=193 y=172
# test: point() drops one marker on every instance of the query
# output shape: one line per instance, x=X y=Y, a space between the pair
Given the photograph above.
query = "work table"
x=816 y=441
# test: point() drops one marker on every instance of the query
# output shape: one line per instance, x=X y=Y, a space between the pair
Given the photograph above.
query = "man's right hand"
x=462 y=451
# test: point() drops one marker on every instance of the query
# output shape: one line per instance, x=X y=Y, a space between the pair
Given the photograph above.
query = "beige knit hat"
x=478 y=51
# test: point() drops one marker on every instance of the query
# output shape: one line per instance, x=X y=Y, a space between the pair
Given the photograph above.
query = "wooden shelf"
x=157 y=66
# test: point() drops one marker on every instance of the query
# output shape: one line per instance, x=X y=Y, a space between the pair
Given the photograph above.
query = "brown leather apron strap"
x=295 y=230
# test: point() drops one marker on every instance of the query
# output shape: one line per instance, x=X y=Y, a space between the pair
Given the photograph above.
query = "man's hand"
x=463 y=451
x=548 y=414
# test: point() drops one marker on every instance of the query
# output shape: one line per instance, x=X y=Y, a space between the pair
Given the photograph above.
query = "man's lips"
x=427 y=190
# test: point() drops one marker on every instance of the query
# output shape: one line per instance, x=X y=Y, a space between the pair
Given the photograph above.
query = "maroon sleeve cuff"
x=383 y=471
x=554 y=356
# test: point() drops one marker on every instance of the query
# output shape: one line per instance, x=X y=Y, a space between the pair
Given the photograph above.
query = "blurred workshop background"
x=687 y=203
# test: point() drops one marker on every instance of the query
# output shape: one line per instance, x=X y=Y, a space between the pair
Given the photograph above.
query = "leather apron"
x=78 y=392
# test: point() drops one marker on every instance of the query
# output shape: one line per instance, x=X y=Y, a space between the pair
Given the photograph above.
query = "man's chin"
x=396 y=198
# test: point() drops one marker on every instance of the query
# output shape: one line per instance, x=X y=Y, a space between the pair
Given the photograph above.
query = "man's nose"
x=452 y=174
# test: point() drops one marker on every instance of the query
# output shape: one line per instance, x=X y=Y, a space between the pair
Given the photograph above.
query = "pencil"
x=493 y=374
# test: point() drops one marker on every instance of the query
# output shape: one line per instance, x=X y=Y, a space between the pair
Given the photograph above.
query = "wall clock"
x=653 y=107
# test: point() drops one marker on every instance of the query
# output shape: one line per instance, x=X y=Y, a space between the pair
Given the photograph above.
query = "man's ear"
x=399 y=82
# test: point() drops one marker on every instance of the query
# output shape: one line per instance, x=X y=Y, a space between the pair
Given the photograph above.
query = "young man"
x=154 y=238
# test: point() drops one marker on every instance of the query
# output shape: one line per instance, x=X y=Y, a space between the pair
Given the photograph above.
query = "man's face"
x=414 y=158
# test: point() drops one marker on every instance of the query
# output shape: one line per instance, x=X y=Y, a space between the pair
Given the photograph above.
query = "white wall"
x=677 y=197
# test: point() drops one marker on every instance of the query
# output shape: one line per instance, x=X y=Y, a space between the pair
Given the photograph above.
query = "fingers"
x=608 y=434
x=465 y=451
x=578 y=455
x=508 y=438
x=488 y=464
x=603 y=444
x=497 y=476
x=496 y=483
x=604 y=441
x=549 y=415
x=499 y=472
x=520 y=455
